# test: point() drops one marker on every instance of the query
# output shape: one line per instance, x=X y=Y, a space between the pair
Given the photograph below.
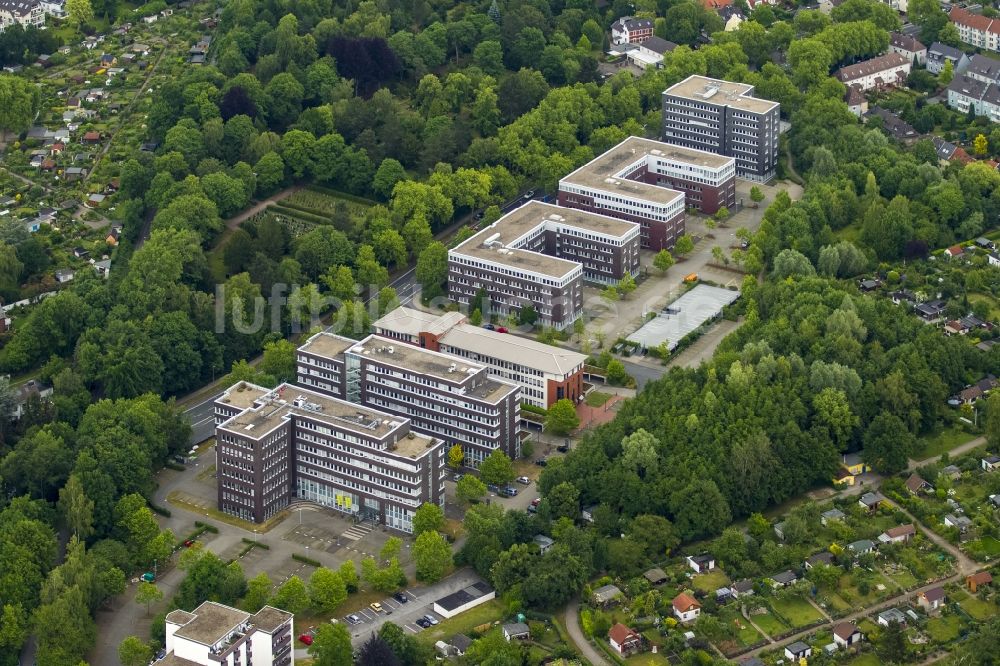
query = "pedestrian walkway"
x=357 y=532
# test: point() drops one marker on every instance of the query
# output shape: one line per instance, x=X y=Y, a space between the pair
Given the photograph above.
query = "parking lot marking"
x=406 y=626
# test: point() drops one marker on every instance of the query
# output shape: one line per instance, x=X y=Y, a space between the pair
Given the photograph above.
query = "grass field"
x=597 y=399
x=647 y=659
x=903 y=578
x=945 y=628
x=941 y=440
x=711 y=581
x=463 y=623
x=796 y=610
x=745 y=634
x=770 y=624
x=866 y=660
x=975 y=606
x=989 y=546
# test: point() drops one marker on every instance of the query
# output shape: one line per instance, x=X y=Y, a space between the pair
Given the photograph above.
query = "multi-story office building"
x=539 y=255
x=651 y=183
x=217 y=635
x=292 y=442
x=443 y=396
x=976 y=29
x=965 y=92
x=544 y=373
x=27 y=13
x=725 y=118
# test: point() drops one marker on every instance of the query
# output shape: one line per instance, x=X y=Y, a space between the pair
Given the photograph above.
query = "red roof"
x=974 y=21
x=981 y=578
x=961 y=156
x=684 y=602
x=92 y=136
x=955 y=250
x=845 y=630
x=902 y=530
x=621 y=634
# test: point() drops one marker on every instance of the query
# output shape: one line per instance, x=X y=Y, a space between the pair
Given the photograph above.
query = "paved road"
x=572 y=619
x=202 y=420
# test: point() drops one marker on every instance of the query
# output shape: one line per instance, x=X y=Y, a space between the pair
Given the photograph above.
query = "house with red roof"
x=623 y=640
x=686 y=607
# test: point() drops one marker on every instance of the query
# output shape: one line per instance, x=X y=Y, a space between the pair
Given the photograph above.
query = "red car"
x=188 y=543
x=501 y=329
x=306 y=638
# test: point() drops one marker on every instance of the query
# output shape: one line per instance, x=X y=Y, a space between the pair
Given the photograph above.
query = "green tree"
x=326 y=590
x=946 y=74
x=331 y=646
x=756 y=194
x=663 y=260
x=76 y=508
x=640 y=452
x=389 y=172
x=432 y=270
x=147 y=594
x=456 y=456
x=993 y=420
x=292 y=596
x=684 y=245
x=258 y=592
x=610 y=293
x=496 y=469
x=626 y=285
x=133 y=652
x=981 y=144
x=427 y=518
x=79 y=12
x=891 y=645
x=888 y=443
x=432 y=556
x=19 y=100
x=561 y=418
x=469 y=488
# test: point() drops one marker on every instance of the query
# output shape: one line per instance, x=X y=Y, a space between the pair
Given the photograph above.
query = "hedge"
x=306 y=560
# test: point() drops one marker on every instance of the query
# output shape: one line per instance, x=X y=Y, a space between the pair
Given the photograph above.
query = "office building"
x=544 y=373
x=443 y=396
x=651 y=183
x=292 y=442
x=213 y=635
x=725 y=118
x=538 y=255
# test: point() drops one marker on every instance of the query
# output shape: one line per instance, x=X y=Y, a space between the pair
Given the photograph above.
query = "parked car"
x=430 y=618
x=489 y=327
x=458 y=477
x=562 y=448
x=502 y=329
x=509 y=491
x=376 y=606
x=161 y=654
x=306 y=638
x=189 y=543
x=529 y=194
x=541 y=462
x=401 y=598
x=536 y=501
x=492 y=487
x=422 y=622
x=523 y=480
x=532 y=509
x=353 y=619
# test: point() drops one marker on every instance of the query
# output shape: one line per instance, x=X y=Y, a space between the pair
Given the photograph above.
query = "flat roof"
x=269 y=618
x=326 y=344
x=279 y=404
x=717 y=91
x=684 y=315
x=459 y=371
x=464 y=596
x=173 y=660
x=513 y=348
x=413 y=322
x=212 y=622
x=523 y=220
x=242 y=394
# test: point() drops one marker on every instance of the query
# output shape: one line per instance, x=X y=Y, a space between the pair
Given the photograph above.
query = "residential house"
x=606 y=595
x=861 y=547
x=990 y=463
x=977 y=580
x=871 y=501
x=930 y=310
x=27 y=13
x=516 y=631
x=701 y=563
x=623 y=640
x=954 y=252
x=80 y=253
x=966 y=93
x=108 y=60
x=909 y=47
x=92 y=137
x=900 y=534
x=631 y=30
x=148 y=20
x=655 y=576
x=959 y=522
x=856 y=101
x=544 y=543
x=976 y=29
x=57 y=148
x=783 y=579
x=114 y=235
x=869 y=284
x=731 y=16
x=878 y=73
x=995 y=501
x=853 y=463
x=27 y=392
x=916 y=484
x=798 y=650
x=54 y=8
x=102 y=268
x=890 y=615
x=723 y=595
x=822 y=558
x=938 y=54
x=742 y=588
x=963 y=325
x=893 y=125
x=993 y=258
x=986 y=345
x=827 y=517
x=983 y=69
x=95 y=200
x=64 y=275
x=932 y=600
x=944 y=149
x=686 y=607
x=74 y=173
x=846 y=634
x=951 y=471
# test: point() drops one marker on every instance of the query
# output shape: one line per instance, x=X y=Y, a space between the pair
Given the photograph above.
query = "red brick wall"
x=572 y=388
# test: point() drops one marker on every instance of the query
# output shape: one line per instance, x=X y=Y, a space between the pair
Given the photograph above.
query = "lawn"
x=903 y=578
x=796 y=610
x=744 y=632
x=945 y=628
x=975 y=606
x=711 y=581
x=770 y=624
x=597 y=398
x=866 y=660
x=463 y=623
x=989 y=546
x=647 y=659
x=944 y=439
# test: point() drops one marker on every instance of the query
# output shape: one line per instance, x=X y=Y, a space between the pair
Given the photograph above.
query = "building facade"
x=652 y=183
x=938 y=54
x=538 y=255
x=725 y=118
x=217 y=635
x=291 y=442
x=442 y=396
x=983 y=69
x=965 y=92
x=884 y=71
x=27 y=13
x=631 y=30
x=544 y=373
x=909 y=47
x=976 y=29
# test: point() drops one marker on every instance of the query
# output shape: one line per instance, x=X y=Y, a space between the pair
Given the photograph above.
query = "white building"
x=631 y=30
x=54 y=8
x=25 y=12
x=214 y=635
x=965 y=92
x=907 y=46
x=883 y=71
x=975 y=29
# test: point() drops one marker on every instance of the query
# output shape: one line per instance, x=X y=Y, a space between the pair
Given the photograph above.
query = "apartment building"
x=878 y=73
x=909 y=47
x=983 y=69
x=652 y=183
x=442 y=396
x=290 y=442
x=25 y=12
x=544 y=373
x=965 y=92
x=538 y=255
x=975 y=29
x=725 y=118
x=631 y=30
x=938 y=54
x=213 y=635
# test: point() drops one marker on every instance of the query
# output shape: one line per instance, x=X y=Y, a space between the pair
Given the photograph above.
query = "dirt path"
x=964 y=564
x=572 y=619
x=233 y=223
x=957 y=451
